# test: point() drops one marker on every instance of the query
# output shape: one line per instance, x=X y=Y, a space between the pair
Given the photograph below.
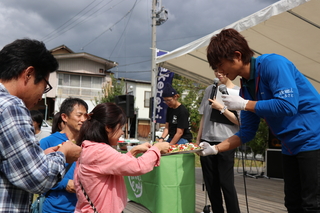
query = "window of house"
x=96 y=82
x=75 y=80
x=78 y=85
x=86 y=81
x=147 y=96
x=64 y=80
x=60 y=79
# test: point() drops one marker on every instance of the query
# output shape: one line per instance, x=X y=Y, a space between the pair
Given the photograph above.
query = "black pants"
x=218 y=176
x=302 y=182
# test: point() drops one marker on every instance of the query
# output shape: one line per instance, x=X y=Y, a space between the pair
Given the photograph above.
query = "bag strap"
x=87 y=197
x=84 y=192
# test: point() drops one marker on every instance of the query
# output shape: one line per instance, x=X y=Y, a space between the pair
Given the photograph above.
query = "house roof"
x=61 y=48
x=288 y=27
x=135 y=81
x=63 y=52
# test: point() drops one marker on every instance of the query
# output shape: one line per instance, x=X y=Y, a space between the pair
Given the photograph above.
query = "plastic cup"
x=129 y=148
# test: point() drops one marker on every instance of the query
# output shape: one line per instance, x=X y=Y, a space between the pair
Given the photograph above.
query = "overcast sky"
x=118 y=30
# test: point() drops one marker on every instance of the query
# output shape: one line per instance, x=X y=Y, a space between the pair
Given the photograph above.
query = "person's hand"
x=234 y=102
x=70 y=187
x=70 y=150
x=161 y=139
x=140 y=148
x=163 y=147
x=215 y=104
x=51 y=149
x=208 y=149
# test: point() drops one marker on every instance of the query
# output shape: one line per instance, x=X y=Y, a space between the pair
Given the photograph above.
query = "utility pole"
x=158 y=18
x=153 y=69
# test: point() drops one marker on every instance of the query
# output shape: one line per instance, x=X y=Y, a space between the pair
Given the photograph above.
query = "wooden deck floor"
x=263 y=195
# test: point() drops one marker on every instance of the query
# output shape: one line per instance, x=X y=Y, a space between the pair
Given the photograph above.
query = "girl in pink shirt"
x=100 y=168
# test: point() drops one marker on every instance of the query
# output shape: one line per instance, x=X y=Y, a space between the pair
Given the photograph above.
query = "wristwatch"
x=161 y=138
x=223 y=110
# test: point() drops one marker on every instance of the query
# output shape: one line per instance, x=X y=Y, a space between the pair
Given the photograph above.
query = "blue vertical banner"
x=164 y=76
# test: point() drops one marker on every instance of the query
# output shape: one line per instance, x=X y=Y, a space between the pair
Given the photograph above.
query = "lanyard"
x=253 y=90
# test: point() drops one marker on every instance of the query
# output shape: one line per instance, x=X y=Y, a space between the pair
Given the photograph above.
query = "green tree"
x=110 y=91
x=191 y=94
x=260 y=142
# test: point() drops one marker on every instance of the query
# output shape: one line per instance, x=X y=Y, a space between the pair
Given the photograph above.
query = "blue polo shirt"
x=287 y=101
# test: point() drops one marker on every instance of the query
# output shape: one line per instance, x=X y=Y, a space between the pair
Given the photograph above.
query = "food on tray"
x=127 y=142
x=183 y=147
x=123 y=145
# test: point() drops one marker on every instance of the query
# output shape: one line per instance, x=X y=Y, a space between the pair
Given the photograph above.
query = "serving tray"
x=182 y=152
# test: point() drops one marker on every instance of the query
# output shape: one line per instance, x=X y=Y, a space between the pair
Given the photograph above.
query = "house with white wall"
x=141 y=91
x=83 y=75
x=80 y=75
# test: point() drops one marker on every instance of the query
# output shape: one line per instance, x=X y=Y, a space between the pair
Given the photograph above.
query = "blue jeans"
x=180 y=141
x=302 y=181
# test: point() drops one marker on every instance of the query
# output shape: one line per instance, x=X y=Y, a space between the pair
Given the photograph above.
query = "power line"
x=128 y=71
x=123 y=30
x=59 y=33
x=146 y=56
x=180 y=38
x=57 y=30
x=85 y=19
x=110 y=28
x=134 y=63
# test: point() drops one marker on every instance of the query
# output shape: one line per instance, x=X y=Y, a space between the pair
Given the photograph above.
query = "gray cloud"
x=129 y=41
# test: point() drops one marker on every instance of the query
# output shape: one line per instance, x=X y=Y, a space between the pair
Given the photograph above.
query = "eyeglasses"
x=48 y=88
x=168 y=100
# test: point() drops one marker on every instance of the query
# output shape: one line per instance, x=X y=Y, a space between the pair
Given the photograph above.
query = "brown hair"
x=224 y=45
x=103 y=115
x=56 y=123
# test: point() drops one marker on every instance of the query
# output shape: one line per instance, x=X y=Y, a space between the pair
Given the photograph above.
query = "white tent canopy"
x=288 y=27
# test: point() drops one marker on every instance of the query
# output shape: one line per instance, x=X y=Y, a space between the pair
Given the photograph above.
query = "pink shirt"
x=101 y=169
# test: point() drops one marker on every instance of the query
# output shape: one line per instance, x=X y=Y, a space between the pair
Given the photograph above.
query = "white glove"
x=208 y=149
x=234 y=102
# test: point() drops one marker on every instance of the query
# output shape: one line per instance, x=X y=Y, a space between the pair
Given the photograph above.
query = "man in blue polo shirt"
x=62 y=198
x=272 y=88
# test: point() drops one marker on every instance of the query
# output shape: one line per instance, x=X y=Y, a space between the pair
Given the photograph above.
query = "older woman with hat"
x=177 y=118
